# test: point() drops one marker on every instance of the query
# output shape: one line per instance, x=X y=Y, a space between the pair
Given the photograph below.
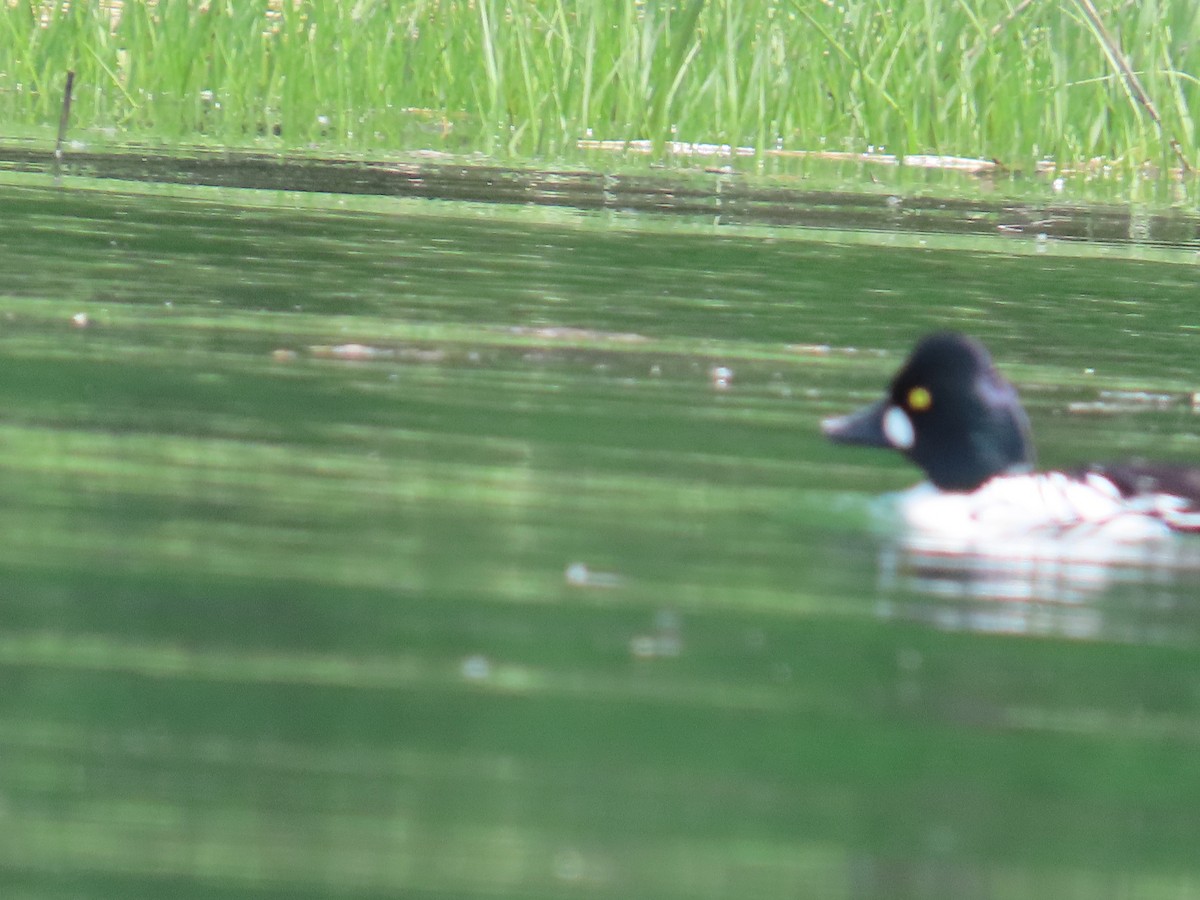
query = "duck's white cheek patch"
x=898 y=428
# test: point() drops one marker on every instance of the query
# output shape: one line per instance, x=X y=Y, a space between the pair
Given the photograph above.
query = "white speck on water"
x=643 y=646
x=722 y=377
x=577 y=574
x=665 y=641
x=476 y=668
x=569 y=865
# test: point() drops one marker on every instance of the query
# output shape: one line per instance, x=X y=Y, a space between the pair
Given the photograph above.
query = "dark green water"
x=521 y=601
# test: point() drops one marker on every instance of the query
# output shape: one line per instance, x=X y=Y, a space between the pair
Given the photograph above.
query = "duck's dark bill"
x=863 y=427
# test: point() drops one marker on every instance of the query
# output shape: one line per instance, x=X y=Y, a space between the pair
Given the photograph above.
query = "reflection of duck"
x=955 y=416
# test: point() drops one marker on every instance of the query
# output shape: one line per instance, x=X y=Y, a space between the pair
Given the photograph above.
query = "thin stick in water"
x=64 y=117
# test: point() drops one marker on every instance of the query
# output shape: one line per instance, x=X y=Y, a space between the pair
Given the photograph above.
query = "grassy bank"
x=1018 y=82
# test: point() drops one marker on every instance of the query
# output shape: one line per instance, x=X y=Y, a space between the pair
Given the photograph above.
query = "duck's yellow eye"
x=919 y=399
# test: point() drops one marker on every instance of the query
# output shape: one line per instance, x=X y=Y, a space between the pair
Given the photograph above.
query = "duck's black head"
x=950 y=412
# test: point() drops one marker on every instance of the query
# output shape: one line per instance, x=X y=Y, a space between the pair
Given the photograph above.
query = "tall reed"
x=1016 y=81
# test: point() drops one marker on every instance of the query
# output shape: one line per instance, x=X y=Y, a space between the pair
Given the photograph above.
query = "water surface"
x=420 y=548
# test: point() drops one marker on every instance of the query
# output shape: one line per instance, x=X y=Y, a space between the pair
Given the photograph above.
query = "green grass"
x=983 y=78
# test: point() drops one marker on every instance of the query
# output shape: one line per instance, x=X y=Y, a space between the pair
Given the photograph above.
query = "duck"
x=952 y=413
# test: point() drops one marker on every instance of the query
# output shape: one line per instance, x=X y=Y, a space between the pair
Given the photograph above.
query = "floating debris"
x=1113 y=402
x=917 y=160
x=81 y=320
x=421 y=354
x=722 y=377
x=1139 y=398
x=356 y=352
x=826 y=350
x=565 y=333
x=366 y=353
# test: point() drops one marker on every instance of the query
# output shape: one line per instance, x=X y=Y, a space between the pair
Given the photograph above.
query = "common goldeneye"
x=950 y=412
